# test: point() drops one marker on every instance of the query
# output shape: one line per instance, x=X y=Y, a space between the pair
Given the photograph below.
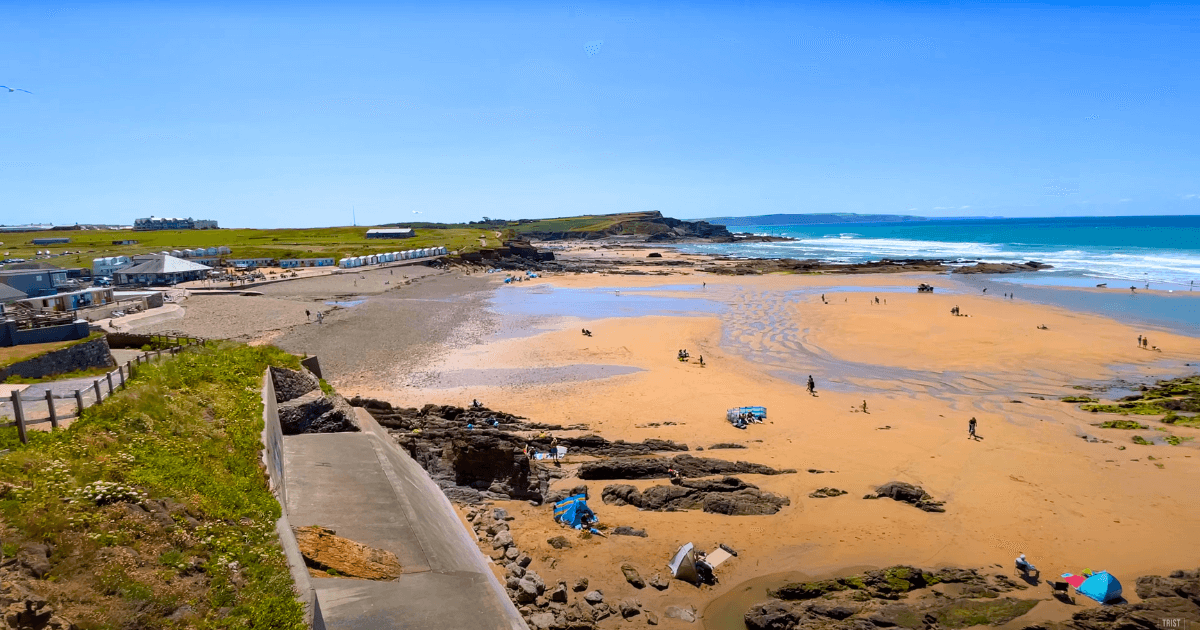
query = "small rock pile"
x=908 y=493
x=556 y=607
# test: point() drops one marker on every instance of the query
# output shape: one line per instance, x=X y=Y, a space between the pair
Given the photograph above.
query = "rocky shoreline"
x=912 y=598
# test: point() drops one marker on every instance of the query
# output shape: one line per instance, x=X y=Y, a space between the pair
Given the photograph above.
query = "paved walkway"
x=366 y=489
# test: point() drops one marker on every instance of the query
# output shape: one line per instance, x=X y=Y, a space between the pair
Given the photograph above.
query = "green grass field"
x=335 y=242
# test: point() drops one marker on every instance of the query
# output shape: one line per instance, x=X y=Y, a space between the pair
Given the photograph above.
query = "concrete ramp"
x=366 y=489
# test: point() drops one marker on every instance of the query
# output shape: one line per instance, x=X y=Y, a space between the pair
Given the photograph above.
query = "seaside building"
x=35 y=282
x=391 y=233
x=292 y=263
x=50 y=241
x=161 y=269
x=167 y=223
x=108 y=265
x=253 y=262
x=70 y=301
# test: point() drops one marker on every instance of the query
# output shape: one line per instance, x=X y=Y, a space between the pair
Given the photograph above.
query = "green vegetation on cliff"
x=152 y=510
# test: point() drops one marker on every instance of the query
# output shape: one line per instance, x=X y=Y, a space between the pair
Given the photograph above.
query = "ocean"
x=1161 y=251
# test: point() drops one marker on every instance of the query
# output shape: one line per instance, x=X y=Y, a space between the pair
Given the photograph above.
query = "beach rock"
x=770 y=615
x=558 y=495
x=658 y=467
x=630 y=608
x=315 y=413
x=632 y=576
x=729 y=495
x=593 y=597
x=602 y=611
x=559 y=593
x=324 y=550
x=908 y=493
x=559 y=542
x=523 y=560
x=833 y=611
x=1145 y=615
x=512 y=553
x=651 y=619
x=685 y=614
x=1184 y=584
x=542 y=621
x=824 y=493
x=515 y=570
x=527 y=591
x=580 y=585
x=624 y=530
x=725 y=445
x=501 y=514
x=503 y=540
x=292 y=384
x=659 y=583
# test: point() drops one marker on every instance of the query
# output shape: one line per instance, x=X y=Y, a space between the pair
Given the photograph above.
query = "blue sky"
x=279 y=114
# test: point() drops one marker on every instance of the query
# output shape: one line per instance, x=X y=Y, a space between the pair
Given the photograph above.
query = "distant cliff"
x=648 y=226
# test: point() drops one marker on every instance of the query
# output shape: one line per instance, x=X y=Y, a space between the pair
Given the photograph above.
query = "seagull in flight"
x=15 y=89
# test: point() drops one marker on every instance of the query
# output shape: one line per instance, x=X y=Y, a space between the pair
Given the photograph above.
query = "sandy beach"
x=1031 y=483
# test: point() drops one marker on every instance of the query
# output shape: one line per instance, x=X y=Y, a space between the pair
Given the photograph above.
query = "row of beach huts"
x=378 y=259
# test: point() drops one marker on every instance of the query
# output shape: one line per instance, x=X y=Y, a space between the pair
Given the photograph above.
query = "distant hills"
x=805 y=219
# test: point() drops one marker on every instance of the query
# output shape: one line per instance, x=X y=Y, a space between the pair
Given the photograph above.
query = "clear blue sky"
x=272 y=114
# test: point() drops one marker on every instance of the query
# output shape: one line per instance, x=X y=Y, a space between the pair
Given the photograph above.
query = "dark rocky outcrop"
x=292 y=384
x=729 y=495
x=908 y=493
x=316 y=413
x=825 y=493
x=489 y=462
x=792 y=265
x=658 y=468
x=868 y=600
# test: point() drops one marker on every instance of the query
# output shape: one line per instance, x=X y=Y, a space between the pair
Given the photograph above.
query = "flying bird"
x=15 y=89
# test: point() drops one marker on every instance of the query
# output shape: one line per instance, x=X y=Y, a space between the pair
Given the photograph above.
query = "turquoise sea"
x=1162 y=251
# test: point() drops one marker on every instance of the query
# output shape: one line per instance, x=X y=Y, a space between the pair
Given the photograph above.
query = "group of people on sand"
x=1144 y=344
x=683 y=356
x=587 y=333
x=745 y=419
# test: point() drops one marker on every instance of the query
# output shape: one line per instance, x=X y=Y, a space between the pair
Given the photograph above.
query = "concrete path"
x=366 y=489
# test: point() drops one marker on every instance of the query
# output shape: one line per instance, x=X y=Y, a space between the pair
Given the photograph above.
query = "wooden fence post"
x=121 y=373
x=110 y=383
x=53 y=411
x=79 y=402
x=20 y=414
x=99 y=396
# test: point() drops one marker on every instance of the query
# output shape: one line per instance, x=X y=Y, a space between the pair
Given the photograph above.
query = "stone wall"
x=81 y=356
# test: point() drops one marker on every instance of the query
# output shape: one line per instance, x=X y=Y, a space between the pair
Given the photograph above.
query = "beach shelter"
x=1102 y=587
x=572 y=510
x=683 y=564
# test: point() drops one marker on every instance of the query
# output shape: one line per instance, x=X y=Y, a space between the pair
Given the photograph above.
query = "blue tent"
x=572 y=510
x=1101 y=587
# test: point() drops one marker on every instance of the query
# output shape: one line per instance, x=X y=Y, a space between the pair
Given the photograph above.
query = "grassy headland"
x=152 y=510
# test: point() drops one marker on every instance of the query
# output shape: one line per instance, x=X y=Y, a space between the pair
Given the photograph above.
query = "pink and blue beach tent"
x=1102 y=587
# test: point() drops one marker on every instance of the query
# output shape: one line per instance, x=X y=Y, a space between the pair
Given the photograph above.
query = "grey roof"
x=164 y=264
x=8 y=294
x=389 y=231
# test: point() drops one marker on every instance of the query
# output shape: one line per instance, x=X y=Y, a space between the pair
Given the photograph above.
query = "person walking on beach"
x=1139 y=341
x=308 y=317
x=812 y=386
x=971 y=429
x=865 y=407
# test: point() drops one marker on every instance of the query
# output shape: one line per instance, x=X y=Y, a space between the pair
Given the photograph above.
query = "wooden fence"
x=99 y=389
